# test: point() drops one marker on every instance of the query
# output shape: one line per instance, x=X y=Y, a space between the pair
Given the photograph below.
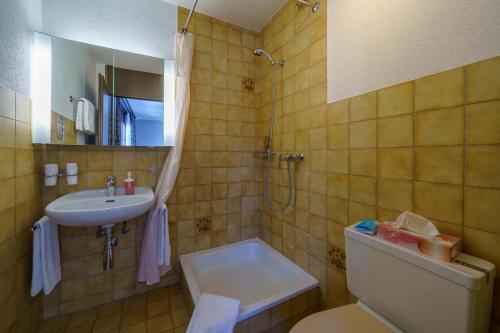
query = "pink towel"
x=155 y=257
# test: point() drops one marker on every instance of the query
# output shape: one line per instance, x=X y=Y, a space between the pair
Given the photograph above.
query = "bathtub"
x=253 y=272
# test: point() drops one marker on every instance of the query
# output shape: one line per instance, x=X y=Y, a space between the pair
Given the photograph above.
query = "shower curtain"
x=149 y=269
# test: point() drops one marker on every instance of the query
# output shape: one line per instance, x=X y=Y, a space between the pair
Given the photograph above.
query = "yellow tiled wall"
x=216 y=180
x=217 y=176
x=20 y=206
x=84 y=283
x=431 y=145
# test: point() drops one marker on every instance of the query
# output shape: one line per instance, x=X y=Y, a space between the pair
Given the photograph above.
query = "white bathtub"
x=251 y=271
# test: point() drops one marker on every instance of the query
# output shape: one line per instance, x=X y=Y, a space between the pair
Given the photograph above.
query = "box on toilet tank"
x=443 y=247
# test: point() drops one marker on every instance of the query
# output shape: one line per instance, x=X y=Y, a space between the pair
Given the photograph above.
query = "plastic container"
x=129 y=184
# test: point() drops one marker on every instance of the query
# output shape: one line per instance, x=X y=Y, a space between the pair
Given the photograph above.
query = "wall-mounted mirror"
x=99 y=96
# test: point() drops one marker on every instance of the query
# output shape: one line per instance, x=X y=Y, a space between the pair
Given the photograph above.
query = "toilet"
x=399 y=290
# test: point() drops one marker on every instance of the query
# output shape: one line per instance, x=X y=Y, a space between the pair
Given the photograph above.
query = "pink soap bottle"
x=129 y=184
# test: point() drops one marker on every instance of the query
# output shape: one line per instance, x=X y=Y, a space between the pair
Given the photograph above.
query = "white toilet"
x=399 y=290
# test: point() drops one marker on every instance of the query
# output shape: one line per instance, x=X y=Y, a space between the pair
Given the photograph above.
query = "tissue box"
x=442 y=247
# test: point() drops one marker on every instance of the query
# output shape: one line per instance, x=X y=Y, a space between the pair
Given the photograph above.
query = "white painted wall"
x=141 y=26
x=374 y=44
x=18 y=21
x=73 y=74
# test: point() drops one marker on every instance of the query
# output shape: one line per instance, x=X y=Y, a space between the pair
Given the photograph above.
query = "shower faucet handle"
x=263 y=154
x=292 y=157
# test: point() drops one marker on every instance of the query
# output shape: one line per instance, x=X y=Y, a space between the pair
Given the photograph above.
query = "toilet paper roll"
x=51 y=181
x=72 y=180
x=51 y=170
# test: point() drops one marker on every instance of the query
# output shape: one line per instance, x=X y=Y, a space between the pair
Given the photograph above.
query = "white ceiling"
x=250 y=14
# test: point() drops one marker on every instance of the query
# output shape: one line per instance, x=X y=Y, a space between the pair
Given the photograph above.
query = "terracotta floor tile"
x=107 y=324
x=132 y=316
x=139 y=327
x=85 y=328
x=157 y=311
x=160 y=324
x=180 y=317
x=109 y=308
x=157 y=308
x=82 y=317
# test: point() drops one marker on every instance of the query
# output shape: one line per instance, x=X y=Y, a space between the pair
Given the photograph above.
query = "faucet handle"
x=111 y=180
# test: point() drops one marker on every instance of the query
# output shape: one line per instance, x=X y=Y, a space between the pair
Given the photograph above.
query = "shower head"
x=314 y=6
x=259 y=52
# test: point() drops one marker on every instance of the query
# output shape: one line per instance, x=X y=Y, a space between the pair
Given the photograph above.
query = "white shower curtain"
x=151 y=269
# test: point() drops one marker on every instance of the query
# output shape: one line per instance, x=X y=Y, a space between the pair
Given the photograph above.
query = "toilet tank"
x=418 y=293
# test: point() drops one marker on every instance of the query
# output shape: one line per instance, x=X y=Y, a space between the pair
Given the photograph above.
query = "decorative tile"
x=248 y=84
x=336 y=257
x=203 y=225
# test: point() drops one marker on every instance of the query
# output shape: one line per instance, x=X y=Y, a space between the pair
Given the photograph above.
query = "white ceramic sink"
x=95 y=207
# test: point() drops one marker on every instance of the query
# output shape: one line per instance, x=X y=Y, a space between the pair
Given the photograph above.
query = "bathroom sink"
x=95 y=207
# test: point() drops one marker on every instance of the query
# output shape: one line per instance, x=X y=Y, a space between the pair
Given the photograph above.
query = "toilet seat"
x=345 y=319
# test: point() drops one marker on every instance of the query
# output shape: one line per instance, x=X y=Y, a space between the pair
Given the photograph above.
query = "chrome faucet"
x=111 y=185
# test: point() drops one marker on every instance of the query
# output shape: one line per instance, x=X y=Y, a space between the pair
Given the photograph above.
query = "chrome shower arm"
x=191 y=12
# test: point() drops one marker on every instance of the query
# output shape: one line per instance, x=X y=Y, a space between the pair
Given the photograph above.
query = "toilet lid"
x=345 y=319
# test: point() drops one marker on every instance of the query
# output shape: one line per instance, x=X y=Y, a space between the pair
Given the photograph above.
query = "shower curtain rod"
x=191 y=12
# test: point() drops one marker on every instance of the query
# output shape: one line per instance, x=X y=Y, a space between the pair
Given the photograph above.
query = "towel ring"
x=73 y=99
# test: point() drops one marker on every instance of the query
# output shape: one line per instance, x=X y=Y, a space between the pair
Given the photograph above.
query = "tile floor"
x=158 y=311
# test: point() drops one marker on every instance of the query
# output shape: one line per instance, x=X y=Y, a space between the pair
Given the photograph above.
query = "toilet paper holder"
x=53 y=172
x=62 y=173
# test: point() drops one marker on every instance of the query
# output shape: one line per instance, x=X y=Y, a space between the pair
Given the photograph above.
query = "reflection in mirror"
x=139 y=122
x=76 y=68
x=101 y=96
x=137 y=108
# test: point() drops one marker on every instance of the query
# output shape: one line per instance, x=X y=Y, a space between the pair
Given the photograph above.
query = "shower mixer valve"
x=292 y=157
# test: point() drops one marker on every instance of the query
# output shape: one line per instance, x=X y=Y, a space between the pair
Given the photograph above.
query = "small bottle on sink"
x=129 y=184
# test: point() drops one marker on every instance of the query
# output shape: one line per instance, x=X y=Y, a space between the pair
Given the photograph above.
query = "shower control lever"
x=292 y=157
x=263 y=154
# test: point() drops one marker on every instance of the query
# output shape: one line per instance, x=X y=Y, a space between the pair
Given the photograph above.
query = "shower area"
x=273 y=162
x=280 y=152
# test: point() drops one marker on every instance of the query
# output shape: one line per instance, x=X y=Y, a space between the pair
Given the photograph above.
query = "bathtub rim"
x=310 y=282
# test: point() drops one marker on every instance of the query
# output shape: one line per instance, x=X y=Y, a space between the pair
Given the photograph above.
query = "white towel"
x=85 y=116
x=46 y=260
x=88 y=116
x=80 y=106
x=214 y=314
x=161 y=255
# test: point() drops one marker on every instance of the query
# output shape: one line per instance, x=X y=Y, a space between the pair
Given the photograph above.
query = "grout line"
x=348 y=160
x=376 y=152
x=414 y=150
x=464 y=150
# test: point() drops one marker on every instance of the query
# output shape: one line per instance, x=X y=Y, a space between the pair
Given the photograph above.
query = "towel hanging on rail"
x=85 y=116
